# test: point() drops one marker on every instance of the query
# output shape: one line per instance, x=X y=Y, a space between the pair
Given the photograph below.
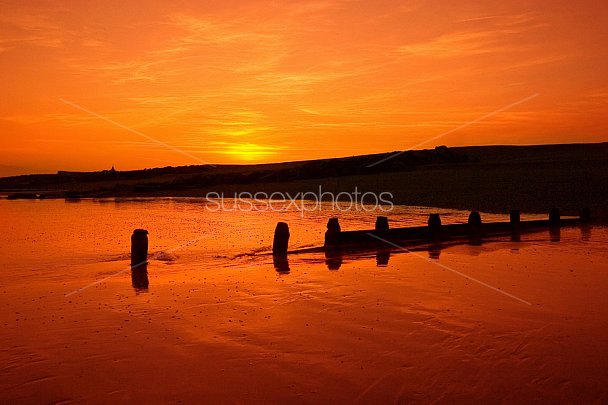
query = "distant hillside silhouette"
x=491 y=178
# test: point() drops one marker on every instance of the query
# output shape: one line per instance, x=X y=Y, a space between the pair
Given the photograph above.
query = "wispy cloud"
x=478 y=36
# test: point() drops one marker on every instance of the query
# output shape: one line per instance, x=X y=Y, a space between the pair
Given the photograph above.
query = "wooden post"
x=381 y=228
x=382 y=224
x=434 y=225
x=554 y=216
x=139 y=248
x=474 y=224
x=281 y=239
x=514 y=217
x=474 y=219
x=332 y=235
x=434 y=221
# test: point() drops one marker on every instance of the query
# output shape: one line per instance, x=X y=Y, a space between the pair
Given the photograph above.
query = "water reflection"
x=475 y=239
x=471 y=245
x=382 y=257
x=139 y=278
x=435 y=251
x=333 y=259
x=586 y=233
x=281 y=264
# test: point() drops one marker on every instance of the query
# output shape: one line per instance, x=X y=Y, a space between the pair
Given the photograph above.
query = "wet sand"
x=236 y=330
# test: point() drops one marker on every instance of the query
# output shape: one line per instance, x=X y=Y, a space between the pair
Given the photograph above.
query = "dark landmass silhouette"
x=488 y=178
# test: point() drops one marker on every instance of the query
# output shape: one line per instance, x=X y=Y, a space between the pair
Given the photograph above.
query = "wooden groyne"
x=434 y=231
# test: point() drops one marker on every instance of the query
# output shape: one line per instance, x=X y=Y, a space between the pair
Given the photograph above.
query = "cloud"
x=33 y=29
x=478 y=36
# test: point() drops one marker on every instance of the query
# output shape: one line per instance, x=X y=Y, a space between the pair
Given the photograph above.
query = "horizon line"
x=101 y=170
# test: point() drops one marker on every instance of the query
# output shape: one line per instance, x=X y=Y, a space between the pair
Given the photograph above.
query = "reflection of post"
x=139 y=277
x=585 y=215
x=434 y=251
x=382 y=257
x=475 y=239
x=281 y=239
x=139 y=248
x=586 y=232
x=333 y=259
x=585 y=218
x=281 y=264
x=554 y=225
x=555 y=234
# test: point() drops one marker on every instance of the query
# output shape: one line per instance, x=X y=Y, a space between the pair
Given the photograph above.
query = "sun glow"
x=249 y=152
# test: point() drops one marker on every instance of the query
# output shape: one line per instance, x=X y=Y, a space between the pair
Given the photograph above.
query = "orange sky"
x=259 y=81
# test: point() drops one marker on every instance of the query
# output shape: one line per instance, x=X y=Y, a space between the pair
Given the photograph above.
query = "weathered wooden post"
x=434 y=224
x=474 y=223
x=585 y=216
x=514 y=220
x=139 y=248
x=554 y=217
x=281 y=239
x=332 y=235
x=514 y=217
x=474 y=219
x=434 y=221
x=382 y=224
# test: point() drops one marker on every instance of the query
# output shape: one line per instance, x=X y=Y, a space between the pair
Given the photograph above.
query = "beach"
x=520 y=321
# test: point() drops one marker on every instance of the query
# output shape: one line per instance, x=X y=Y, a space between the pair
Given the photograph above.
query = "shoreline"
x=493 y=179
x=601 y=211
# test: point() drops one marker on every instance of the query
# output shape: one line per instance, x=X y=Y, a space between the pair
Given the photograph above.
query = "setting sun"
x=248 y=151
